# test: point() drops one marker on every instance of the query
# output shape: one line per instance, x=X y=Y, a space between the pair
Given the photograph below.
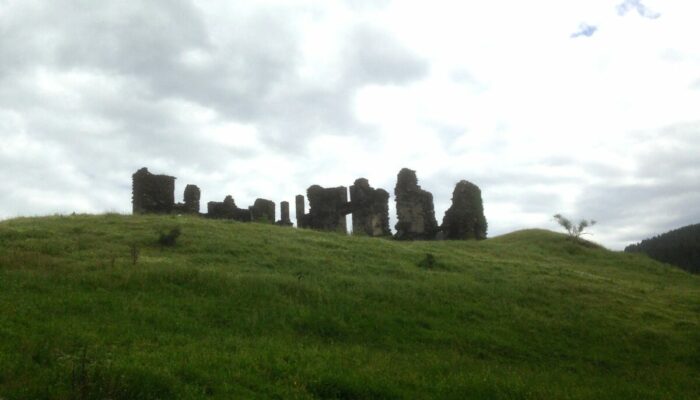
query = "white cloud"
x=265 y=98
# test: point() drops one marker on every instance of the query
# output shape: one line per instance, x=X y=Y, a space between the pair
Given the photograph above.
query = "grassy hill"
x=256 y=311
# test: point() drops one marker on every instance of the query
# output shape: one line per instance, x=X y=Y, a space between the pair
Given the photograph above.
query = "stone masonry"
x=263 y=210
x=301 y=211
x=327 y=208
x=191 y=205
x=414 y=209
x=370 y=209
x=284 y=217
x=227 y=210
x=152 y=194
x=465 y=218
x=192 y=197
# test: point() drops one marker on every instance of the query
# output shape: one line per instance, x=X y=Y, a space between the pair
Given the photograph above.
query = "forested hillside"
x=680 y=247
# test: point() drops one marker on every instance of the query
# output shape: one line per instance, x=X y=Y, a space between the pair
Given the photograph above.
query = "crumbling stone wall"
x=191 y=205
x=327 y=208
x=284 y=218
x=263 y=210
x=465 y=218
x=227 y=210
x=152 y=193
x=414 y=209
x=370 y=209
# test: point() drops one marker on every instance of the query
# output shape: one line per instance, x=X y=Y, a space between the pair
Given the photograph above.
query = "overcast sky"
x=589 y=108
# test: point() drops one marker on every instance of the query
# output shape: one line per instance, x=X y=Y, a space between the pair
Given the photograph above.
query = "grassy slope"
x=255 y=311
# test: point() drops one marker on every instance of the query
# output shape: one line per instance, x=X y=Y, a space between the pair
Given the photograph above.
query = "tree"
x=574 y=231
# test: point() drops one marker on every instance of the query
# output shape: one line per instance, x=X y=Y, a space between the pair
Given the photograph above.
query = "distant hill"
x=93 y=307
x=680 y=247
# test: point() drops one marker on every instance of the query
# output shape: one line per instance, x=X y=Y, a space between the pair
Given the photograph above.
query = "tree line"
x=680 y=247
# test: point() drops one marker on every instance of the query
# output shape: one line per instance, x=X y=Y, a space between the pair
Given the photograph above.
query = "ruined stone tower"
x=192 y=196
x=465 y=218
x=152 y=194
x=414 y=209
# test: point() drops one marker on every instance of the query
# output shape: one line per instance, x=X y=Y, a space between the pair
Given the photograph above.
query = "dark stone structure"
x=414 y=209
x=327 y=208
x=465 y=218
x=227 y=210
x=284 y=218
x=370 y=209
x=191 y=205
x=301 y=211
x=263 y=211
x=152 y=194
x=192 y=197
x=330 y=206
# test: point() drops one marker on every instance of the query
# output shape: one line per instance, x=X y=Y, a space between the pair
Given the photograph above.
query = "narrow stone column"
x=284 y=217
x=414 y=209
x=301 y=211
x=192 y=196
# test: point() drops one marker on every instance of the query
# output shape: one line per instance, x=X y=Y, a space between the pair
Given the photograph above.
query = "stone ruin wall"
x=329 y=206
x=370 y=209
x=263 y=211
x=191 y=196
x=152 y=194
x=227 y=210
x=465 y=218
x=414 y=209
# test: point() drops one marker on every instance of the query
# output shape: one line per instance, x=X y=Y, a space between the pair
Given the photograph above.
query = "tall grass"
x=257 y=311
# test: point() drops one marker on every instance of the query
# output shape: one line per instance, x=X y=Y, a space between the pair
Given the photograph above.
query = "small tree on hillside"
x=574 y=231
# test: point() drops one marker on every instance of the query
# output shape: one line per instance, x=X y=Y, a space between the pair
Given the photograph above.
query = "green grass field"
x=238 y=311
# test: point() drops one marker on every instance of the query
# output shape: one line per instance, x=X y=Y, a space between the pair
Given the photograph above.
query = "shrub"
x=168 y=239
x=574 y=231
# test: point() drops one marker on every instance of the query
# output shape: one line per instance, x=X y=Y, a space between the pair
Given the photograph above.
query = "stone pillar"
x=192 y=196
x=414 y=209
x=284 y=211
x=301 y=211
x=465 y=218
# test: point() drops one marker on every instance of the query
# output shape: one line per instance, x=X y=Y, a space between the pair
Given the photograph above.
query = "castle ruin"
x=328 y=208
